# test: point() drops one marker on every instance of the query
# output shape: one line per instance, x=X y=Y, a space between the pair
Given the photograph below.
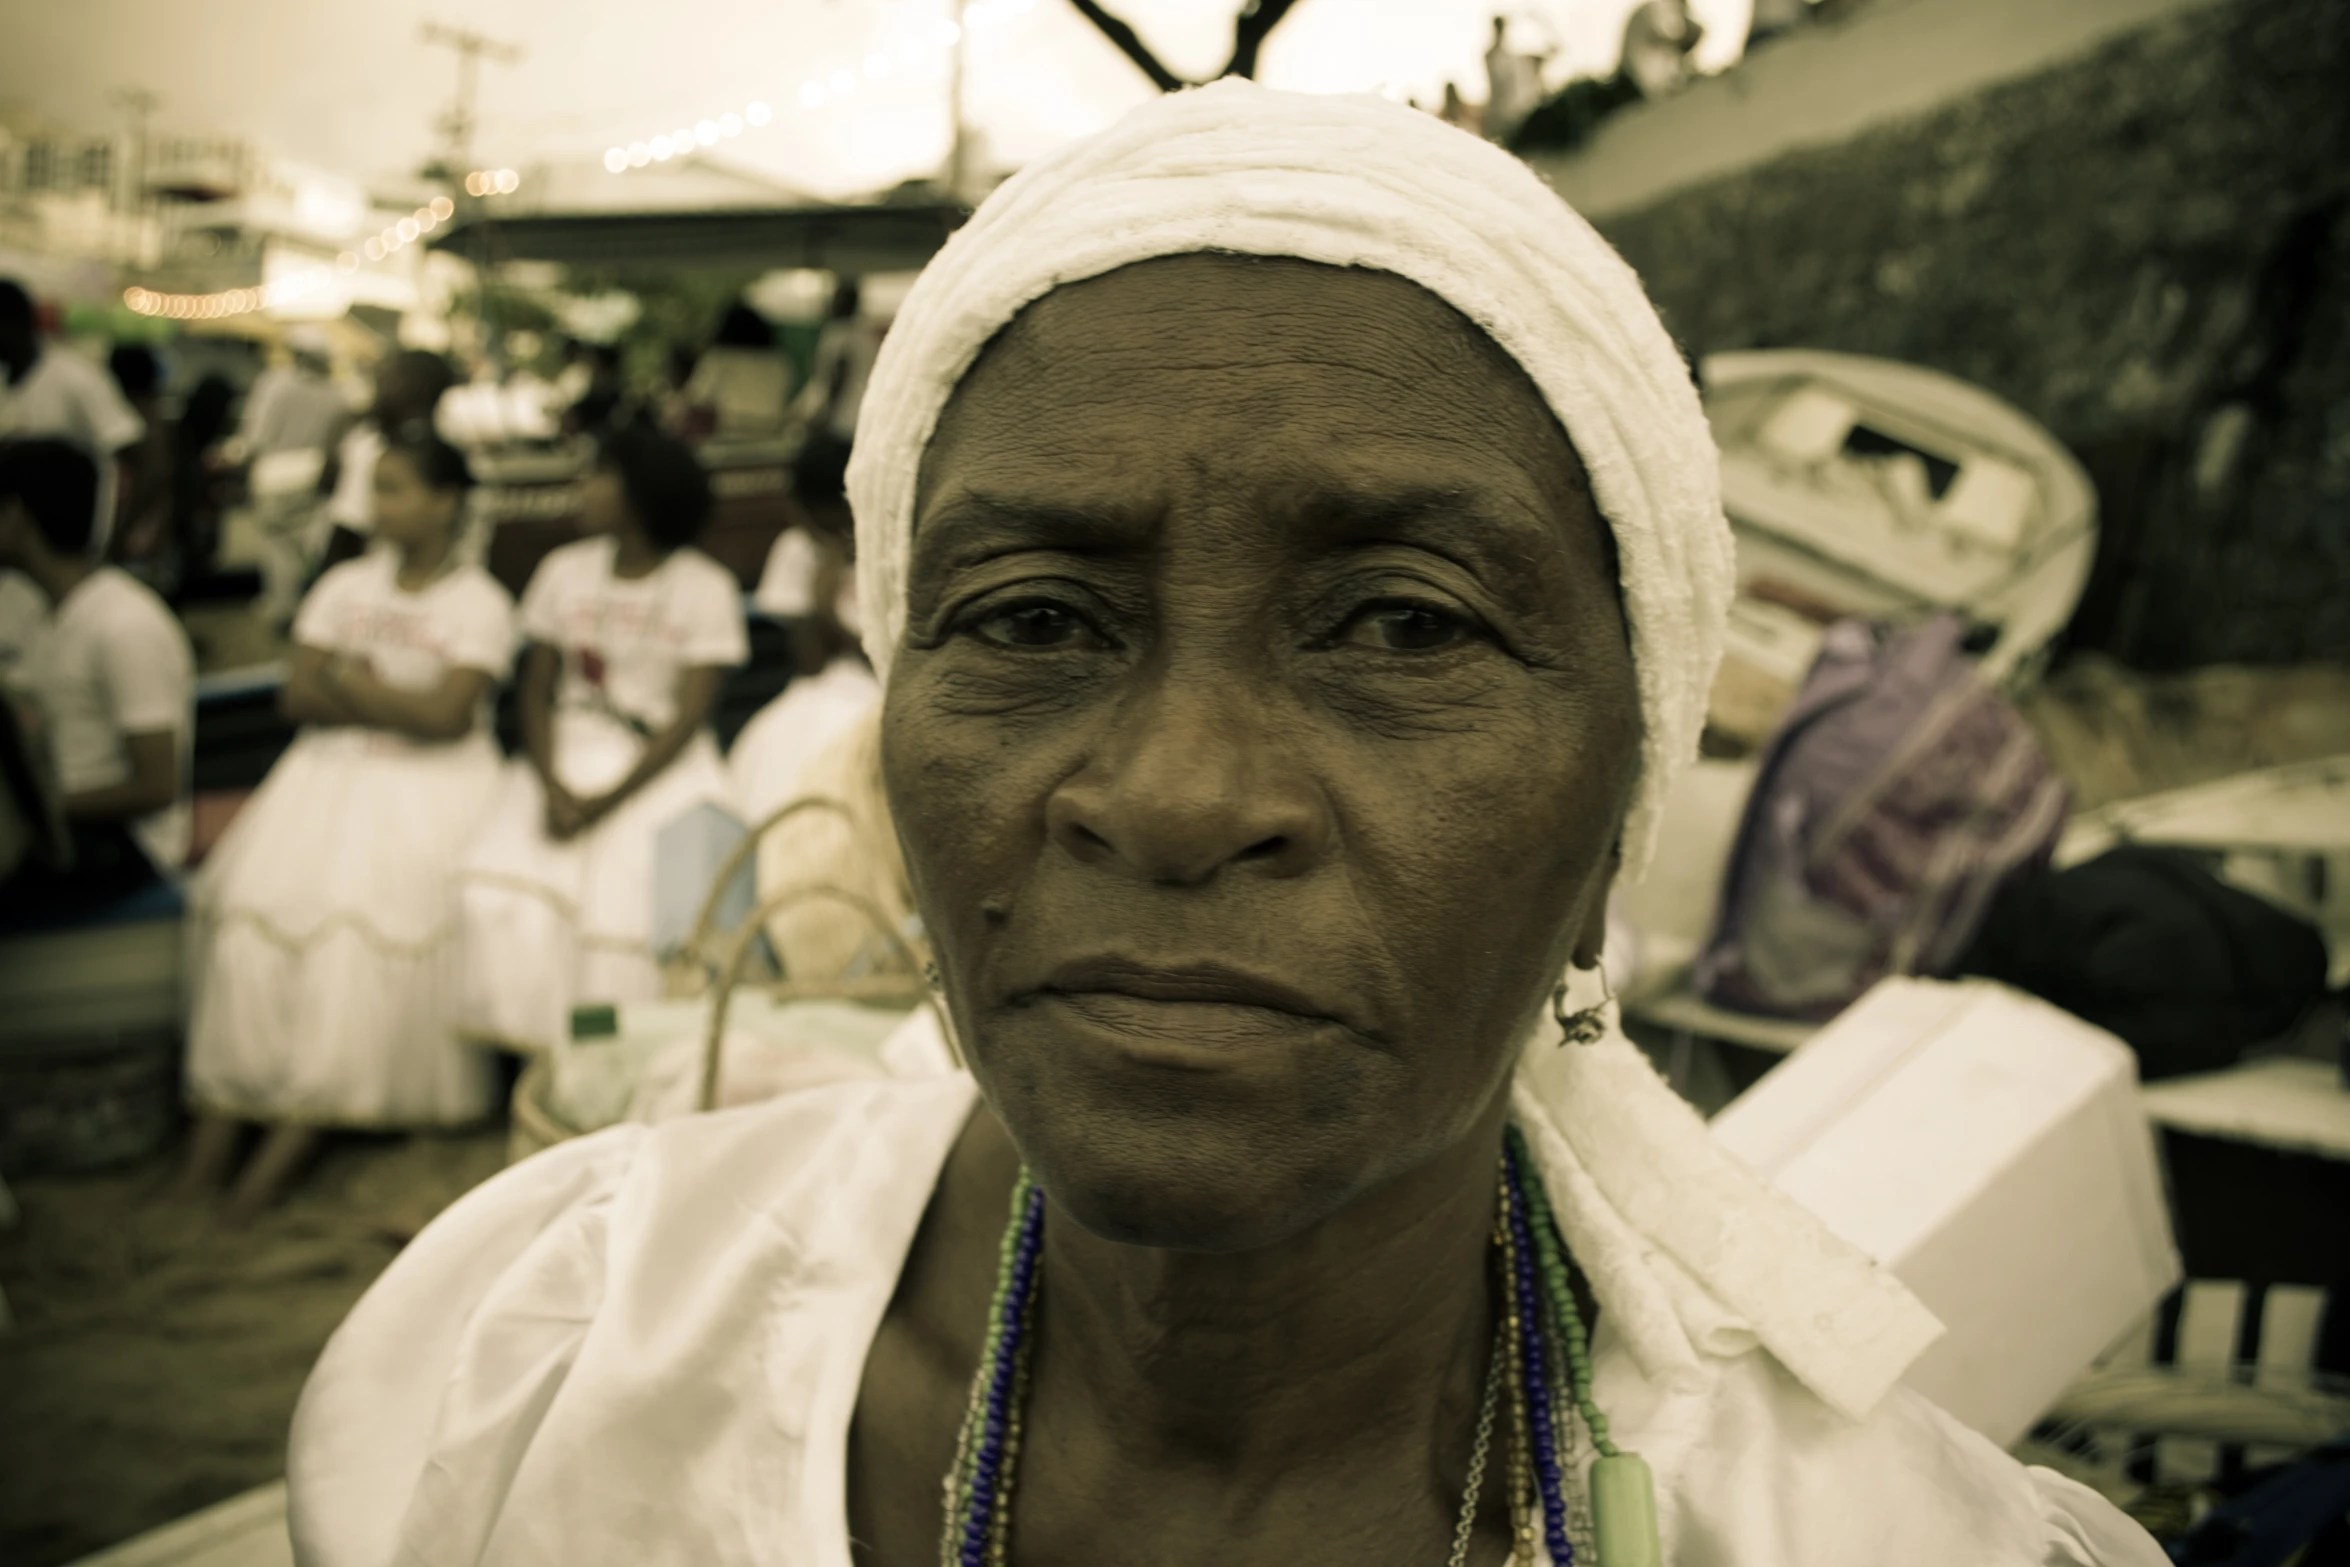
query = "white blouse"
x=646 y=1346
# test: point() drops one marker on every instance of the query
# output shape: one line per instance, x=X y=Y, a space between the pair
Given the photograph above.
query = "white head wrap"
x=1691 y=1254
x=1358 y=182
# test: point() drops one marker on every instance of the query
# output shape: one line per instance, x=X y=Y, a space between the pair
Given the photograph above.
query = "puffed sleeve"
x=2086 y=1530
x=317 y=623
x=431 y=1389
x=482 y=630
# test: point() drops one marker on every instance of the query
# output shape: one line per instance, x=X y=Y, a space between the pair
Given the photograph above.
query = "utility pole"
x=456 y=126
x=130 y=237
x=956 y=172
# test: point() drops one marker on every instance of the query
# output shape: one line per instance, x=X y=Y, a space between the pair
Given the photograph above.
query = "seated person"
x=631 y=634
x=107 y=689
x=323 y=928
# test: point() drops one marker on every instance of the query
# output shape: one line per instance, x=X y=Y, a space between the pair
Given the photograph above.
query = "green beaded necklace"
x=1540 y=1320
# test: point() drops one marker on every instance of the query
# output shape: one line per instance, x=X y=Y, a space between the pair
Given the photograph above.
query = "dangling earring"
x=1587 y=1026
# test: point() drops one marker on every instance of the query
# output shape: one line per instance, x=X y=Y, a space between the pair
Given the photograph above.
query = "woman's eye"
x=1405 y=628
x=1031 y=625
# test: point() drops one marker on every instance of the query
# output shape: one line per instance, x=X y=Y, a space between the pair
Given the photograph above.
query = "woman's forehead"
x=1283 y=386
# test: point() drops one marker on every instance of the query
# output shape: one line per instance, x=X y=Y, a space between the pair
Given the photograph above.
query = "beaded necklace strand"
x=1543 y=1358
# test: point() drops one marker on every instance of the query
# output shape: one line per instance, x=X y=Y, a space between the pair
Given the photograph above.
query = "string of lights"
x=243 y=301
x=815 y=92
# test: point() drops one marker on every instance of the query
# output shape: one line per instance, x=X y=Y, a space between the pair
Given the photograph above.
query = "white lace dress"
x=323 y=925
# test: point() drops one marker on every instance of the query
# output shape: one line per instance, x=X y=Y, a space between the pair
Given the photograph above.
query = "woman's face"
x=603 y=502
x=1260 y=739
x=409 y=512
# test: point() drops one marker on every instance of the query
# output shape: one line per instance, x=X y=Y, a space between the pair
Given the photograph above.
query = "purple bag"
x=1899 y=795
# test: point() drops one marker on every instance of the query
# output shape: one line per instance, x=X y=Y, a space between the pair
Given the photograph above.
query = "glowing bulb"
x=508 y=182
x=348 y=261
x=757 y=113
x=948 y=35
x=876 y=66
x=374 y=248
x=615 y=159
x=473 y=183
x=443 y=208
x=136 y=298
x=812 y=94
x=730 y=125
x=706 y=133
x=660 y=149
x=639 y=154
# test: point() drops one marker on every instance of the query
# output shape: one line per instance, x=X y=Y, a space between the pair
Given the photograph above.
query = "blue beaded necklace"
x=1541 y=1333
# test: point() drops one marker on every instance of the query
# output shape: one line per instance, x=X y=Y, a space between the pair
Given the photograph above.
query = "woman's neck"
x=634 y=555
x=421 y=563
x=1369 y=1329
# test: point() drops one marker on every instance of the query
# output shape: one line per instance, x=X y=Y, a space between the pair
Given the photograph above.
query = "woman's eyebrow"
x=979 y=524
x=1460 y=524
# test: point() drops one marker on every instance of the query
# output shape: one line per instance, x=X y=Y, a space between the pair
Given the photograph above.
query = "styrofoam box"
x=1990 y=1150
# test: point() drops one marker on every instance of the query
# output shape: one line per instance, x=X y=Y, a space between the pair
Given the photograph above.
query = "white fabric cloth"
x=323 y=926
x=788 y=582
x=770 y=757
x=647 y=1345
x=112 y=662
x=748 y=388
x=846 y=351
x=352 y=505
x=66 y=396
x=1349 y=182
x=551 y=925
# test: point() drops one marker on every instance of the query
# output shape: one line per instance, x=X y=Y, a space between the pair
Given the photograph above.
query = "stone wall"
x=2148 y=249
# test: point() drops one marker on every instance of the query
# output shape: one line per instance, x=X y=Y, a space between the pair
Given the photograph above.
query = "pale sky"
x=353 y=88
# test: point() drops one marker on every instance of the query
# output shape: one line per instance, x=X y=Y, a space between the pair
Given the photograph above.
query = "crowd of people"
x=398 y=901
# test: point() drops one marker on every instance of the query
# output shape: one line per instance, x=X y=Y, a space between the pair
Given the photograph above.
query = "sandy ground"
x=156 y=1358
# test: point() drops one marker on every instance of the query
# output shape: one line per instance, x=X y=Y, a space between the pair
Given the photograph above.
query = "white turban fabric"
x=1352 y=182
x=1690 y=1253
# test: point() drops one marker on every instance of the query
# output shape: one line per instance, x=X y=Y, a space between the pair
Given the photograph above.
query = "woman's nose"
x=1191 y=776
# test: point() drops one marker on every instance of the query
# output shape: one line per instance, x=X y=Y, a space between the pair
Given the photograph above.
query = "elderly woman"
x=1290 y=546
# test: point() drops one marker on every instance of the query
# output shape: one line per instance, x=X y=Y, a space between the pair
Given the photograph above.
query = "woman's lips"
x=1207 y=1006
x=1195 y=984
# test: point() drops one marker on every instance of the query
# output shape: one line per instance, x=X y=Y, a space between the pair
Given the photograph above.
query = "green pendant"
x=1623 y=1513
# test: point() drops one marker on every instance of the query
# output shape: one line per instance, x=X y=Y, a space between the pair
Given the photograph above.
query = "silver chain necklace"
x=1478 y=1453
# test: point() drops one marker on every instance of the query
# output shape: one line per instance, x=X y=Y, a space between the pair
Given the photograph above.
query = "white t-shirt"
x=626 y=643
x=289 y=410
x=787 y=583
x=749 y=388
x=66 y=397
x=352 y=505
x=461 y=620
x=656 y=1335
x=113 y=662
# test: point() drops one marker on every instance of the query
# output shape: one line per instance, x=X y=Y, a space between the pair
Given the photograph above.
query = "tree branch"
x=1129 y=43
x=1257 y=18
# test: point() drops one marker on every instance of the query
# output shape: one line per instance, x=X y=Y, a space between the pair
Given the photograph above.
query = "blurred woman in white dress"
x=631 y=632
x=324 y=924
x=809 y=583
